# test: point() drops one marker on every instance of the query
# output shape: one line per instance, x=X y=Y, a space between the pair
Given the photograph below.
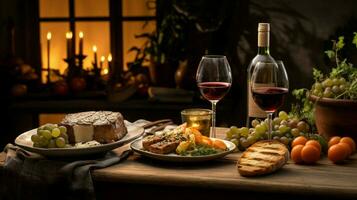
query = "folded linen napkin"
x=27 y=175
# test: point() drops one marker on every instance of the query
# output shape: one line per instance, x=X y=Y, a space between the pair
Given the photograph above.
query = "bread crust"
x=263 y=157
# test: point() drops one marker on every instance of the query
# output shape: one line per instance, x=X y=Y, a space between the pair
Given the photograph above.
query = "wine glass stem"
x=270 y=124
x=213 y=119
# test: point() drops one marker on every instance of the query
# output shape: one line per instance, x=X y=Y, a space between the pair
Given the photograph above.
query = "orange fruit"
x=334 y=140
x=206 y=141
x=218 y=144
x=310 y=154
x=299 y=140
x=314 y=143
x=337 y=153
x=346 y=147
x=350 y=142
x=296 y=153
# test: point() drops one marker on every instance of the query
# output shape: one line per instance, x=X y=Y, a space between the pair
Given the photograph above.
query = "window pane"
x=45 y=118
x=139 y=7
x=58 y=45
x=54 y=8
x=95 y=33
x=130 y=29
x=90 y=8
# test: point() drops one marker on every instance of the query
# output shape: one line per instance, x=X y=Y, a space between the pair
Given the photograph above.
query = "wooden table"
x=142 y=178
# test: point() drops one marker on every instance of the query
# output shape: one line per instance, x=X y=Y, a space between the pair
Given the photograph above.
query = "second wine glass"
x=214 y=78
x=269 y=86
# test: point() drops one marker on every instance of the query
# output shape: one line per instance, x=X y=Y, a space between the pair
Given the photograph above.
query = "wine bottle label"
x=253 y=109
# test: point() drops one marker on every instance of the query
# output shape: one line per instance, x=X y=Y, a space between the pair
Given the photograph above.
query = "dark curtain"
x=21 y=17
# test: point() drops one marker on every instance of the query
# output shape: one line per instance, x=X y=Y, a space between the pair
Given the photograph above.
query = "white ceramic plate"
x=137 y=147
x=24 y=141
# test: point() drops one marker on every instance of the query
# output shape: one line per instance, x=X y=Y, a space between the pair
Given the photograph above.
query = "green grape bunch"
x=341 y=83
x=50 y=136
x=285 y=129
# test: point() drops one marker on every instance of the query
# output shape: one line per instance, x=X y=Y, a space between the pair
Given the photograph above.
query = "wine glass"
x=269 y=87
x=214 y=79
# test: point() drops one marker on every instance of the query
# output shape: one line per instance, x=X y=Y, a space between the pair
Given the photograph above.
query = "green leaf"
x=299 y=93
x=354 y=41
x=318 y=75
x=330 y=54
x=340 y=43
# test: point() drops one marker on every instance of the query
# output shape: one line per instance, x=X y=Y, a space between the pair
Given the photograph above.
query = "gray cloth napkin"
x=31 y=176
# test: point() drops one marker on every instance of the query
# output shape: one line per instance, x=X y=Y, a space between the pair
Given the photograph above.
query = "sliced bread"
x=263 y=157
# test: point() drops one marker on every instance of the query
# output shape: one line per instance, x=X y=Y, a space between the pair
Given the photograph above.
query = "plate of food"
x=80 y=134
x=182 y=145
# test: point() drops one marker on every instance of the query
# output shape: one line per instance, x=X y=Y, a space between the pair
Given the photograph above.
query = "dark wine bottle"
x=253 y=111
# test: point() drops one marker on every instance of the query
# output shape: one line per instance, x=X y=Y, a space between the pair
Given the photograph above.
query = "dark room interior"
x=121 y=77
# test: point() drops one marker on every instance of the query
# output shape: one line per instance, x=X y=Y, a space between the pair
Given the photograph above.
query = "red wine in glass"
x=269 y=98
x=214 y=91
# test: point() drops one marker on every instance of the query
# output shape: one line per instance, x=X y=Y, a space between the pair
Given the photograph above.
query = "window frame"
x=115 y=20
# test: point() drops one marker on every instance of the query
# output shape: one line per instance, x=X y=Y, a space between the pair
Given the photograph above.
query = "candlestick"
x=81 y=43
x=95 y=56
x=49 y=36
x=69 y=36
x=109 y=63
x=102 y=59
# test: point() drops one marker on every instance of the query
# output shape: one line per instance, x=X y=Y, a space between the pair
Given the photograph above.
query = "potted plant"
x=332 y=100
x=163 y=49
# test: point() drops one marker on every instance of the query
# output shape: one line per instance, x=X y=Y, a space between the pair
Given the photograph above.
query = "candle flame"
x=109 y=58
x=81 y=34
x=102 y=58
x=105 y=71
x=94 y=48
x=49 y=35
x=69 y=35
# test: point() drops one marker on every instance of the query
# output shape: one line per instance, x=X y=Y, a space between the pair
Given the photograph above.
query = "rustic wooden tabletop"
x=321 y=179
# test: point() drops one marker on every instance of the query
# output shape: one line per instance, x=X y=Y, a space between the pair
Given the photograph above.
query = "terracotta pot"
x=335 y=117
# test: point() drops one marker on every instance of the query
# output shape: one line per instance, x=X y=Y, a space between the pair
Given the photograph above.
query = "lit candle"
x=81 y=43
x=102 y=59
x=105 y=71
x=49 y=36
x=69 y=44
x=95 y=56
x=109 y=63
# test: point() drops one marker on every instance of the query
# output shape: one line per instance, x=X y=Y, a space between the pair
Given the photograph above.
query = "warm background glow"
x=131 y=29
x=91 y=8
x=54 y=8
x=94 y=33
x=58 y=45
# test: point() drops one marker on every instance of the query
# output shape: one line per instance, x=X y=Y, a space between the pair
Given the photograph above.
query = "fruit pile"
x=308 y=151
x=50 y=136
x=285 y=129
x=305 y=151
x=330 y=88
x=340 y=148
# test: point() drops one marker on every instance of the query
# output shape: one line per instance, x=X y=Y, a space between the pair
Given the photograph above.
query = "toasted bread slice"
x=263 y=157
x=163 y=147
x=152 y=139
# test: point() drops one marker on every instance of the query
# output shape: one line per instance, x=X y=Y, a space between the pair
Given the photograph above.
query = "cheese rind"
x=101 y=126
